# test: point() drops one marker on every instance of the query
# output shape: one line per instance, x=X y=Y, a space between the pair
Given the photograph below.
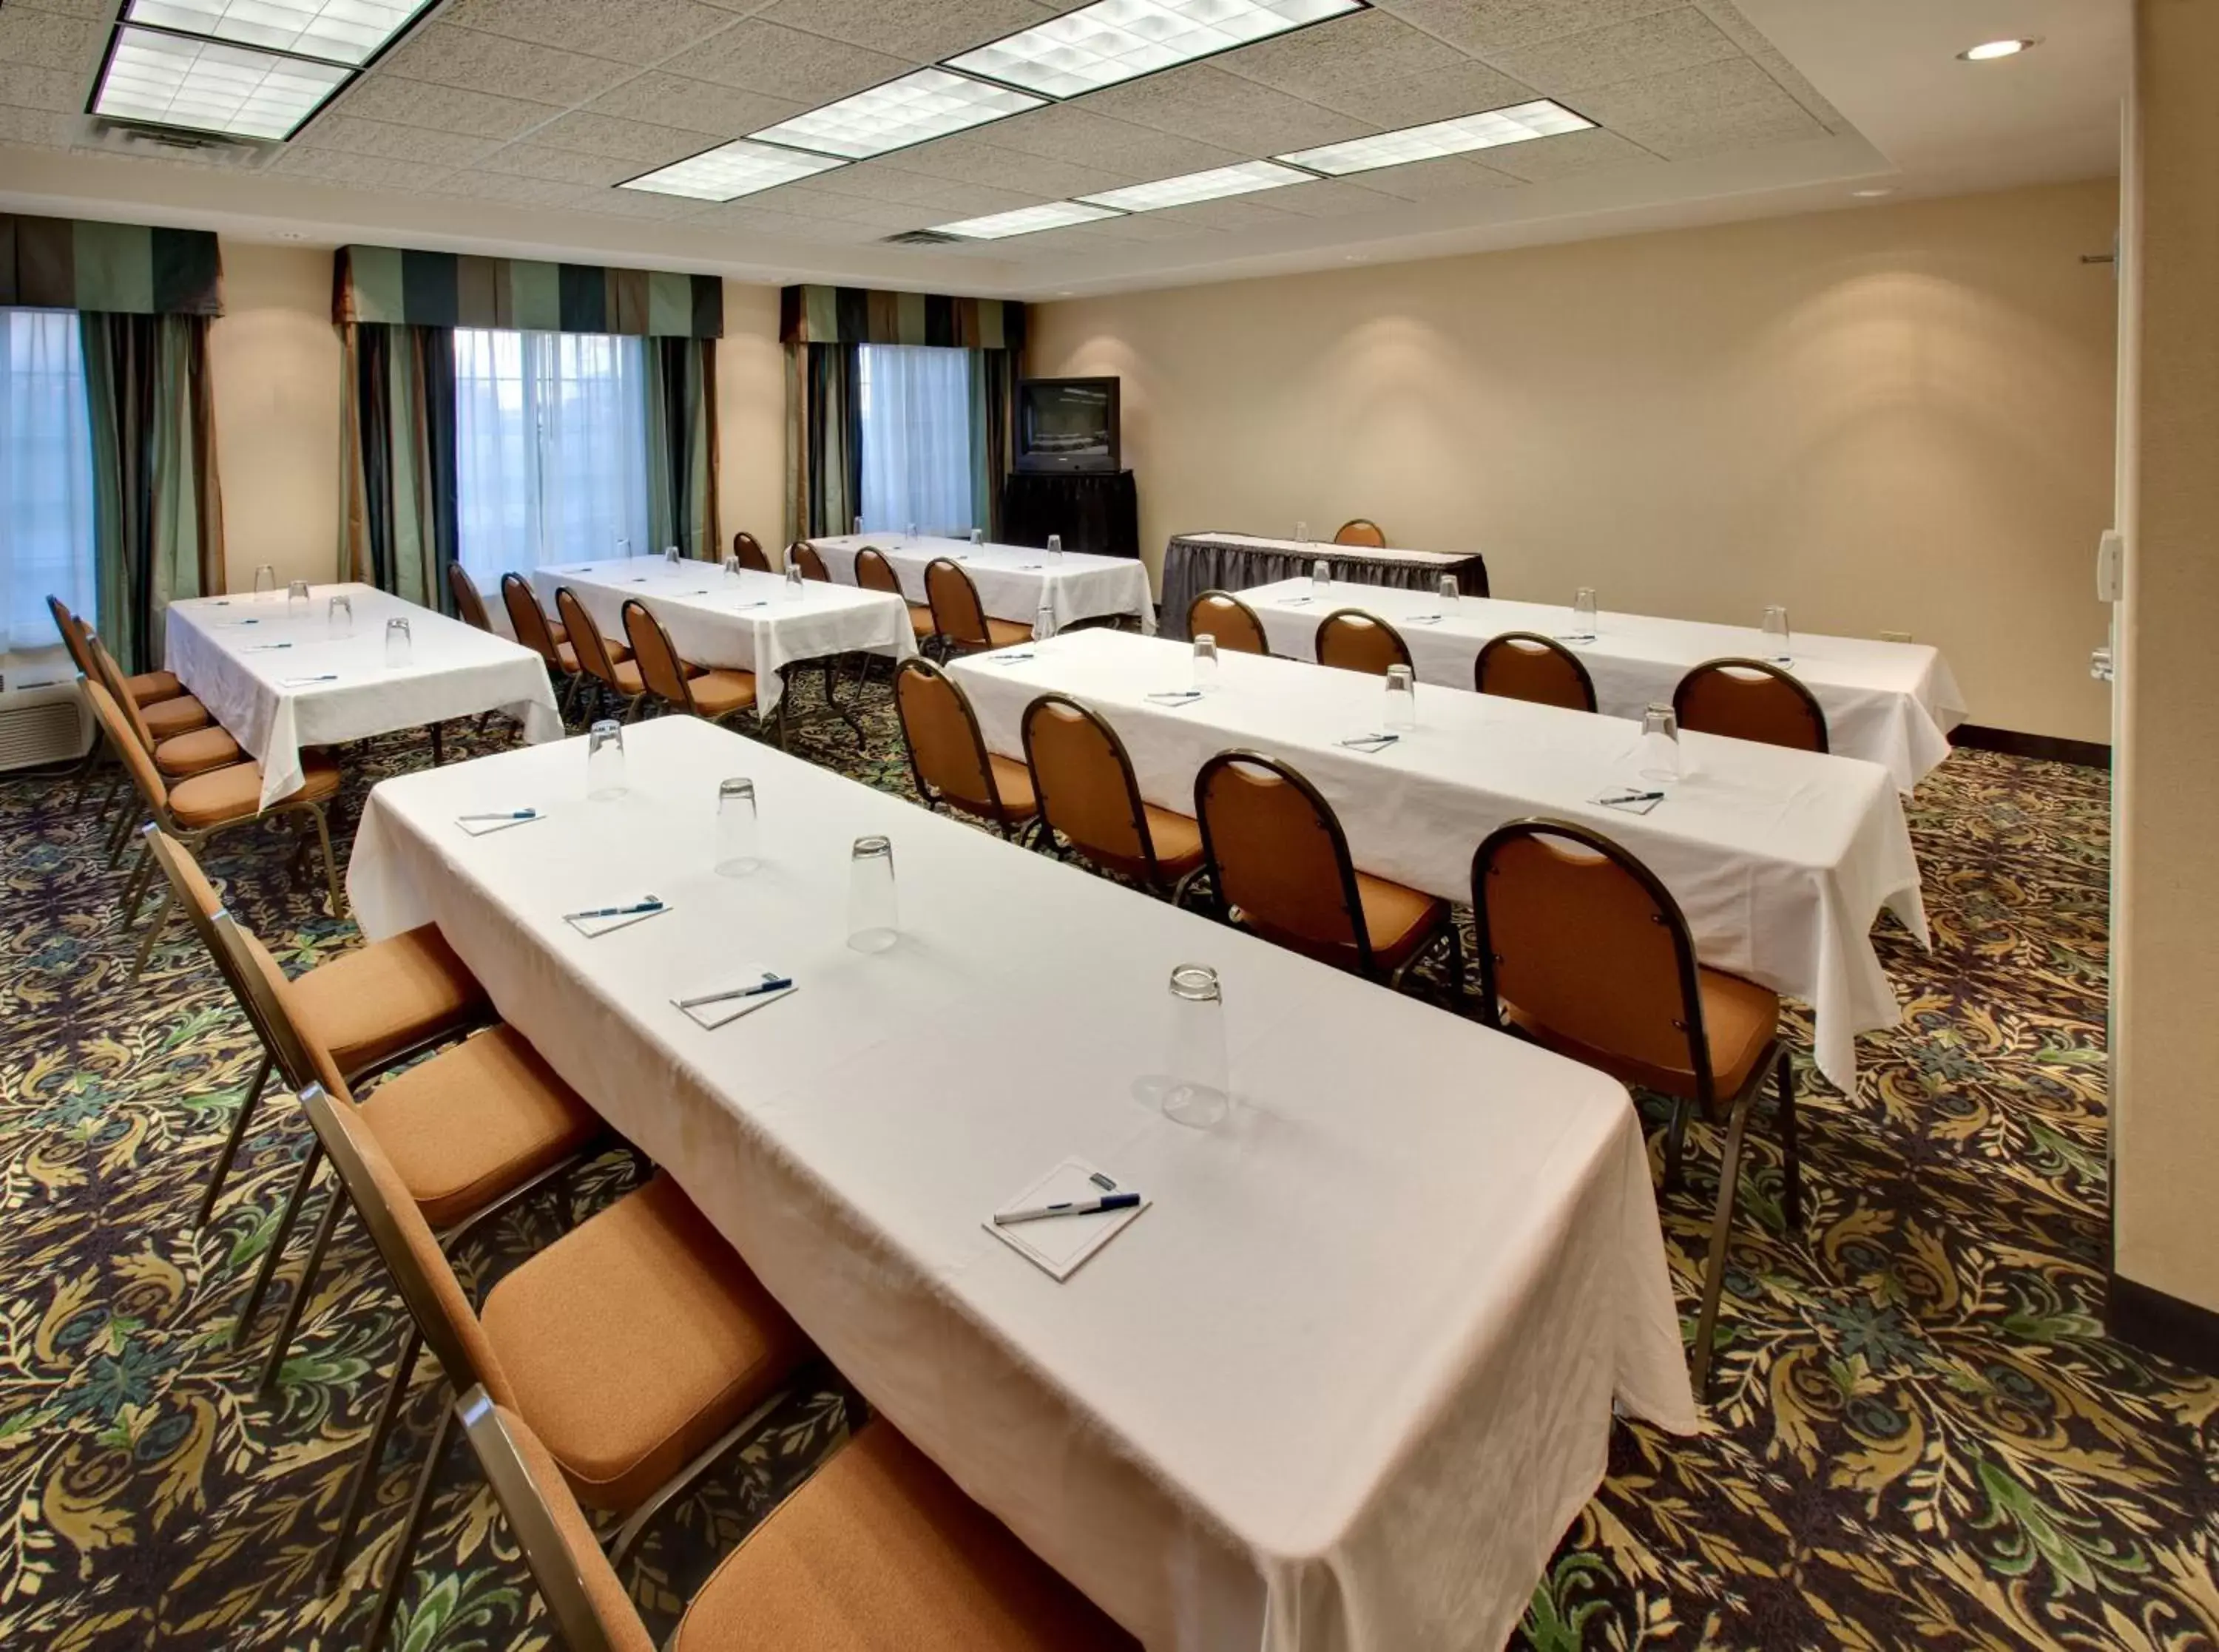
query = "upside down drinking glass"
x=873 y=914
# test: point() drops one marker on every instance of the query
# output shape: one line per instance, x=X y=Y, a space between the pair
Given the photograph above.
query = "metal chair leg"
x=330 y=862
x=439 y=744
x=1791 y=1200
x=247 y=1104
x=1714 y=1271
x=161 y=916
x=276 y=1250
x=365 y=1472
x=1676 y=1138
x=389 y=1598
x=136 y=886
x=289 y=1321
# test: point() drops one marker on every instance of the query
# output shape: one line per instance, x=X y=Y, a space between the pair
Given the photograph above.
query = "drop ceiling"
x=506 y=125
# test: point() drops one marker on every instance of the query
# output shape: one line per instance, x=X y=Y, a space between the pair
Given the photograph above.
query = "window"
x=45 y=478
x=550 y=449
x=920 y=453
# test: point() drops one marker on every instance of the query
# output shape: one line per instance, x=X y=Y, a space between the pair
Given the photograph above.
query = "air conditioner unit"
x=44 y=722
x=177 y=144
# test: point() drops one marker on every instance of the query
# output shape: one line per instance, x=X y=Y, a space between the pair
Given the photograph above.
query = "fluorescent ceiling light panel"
x=1518 y=124
x=1212 y=185
x=1026 y=221
x=339 y=31
x=169 y=80
x=930 y=103
x=1112 y=41
x=732 y=170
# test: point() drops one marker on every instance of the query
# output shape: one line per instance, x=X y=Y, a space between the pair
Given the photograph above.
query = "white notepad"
x=1059 y=1244
x=593 y=927
x=1619 y=797
x=711 y=1016
x=480 y=828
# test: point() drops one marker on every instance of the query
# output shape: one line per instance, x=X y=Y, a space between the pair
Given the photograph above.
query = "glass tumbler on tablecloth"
x=1321 y=577
x=1402 y=698
x=339 y=616
x=1055 y=547
x=794 y=582
x=1199 y=1093
x=265 y=580
x=1205 y=661
x=737 y=848
x=296 y=600
x=1450 y=591
x=670 y=554
x=911 y=535
x=873 y=914
x=1583 y=616
x=1301 y=533
x=1657 y=756
x=1778 y=647
x=605 y=762
x=859 y=527
x=977 y=536
x=624 y=551
x=731 y=566
x=397 y=645
x=1044 y=620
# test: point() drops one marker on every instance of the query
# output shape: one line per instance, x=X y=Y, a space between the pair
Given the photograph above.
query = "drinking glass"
x=794 y=582
x=1450 y=591
x=874 y=916
x=1205 y=661
x=1584 y=614
x=670 y=554
x=912 y=533
x=1301 y=533
x=604 y=768
x=1199 y=1093
x=736 y=846
x=1657 y=757
x=1321 y=577
x=265 y=580
x=1777 y=646
x=339 y=616
x=977 y=536
x=624 y=549
x=396 y=644
x=296 y=600
x=731 y=566
x=1402 y=698
x=1055 y=547
x=859 y=527
x=1044 y=620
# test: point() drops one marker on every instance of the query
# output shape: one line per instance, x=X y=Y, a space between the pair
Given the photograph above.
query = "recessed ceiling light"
x=340 y=31
x=1870 y=195
x=1112 y=41
x=1212 y=185
x=730 y=170
x=1989 y=50
x=207 y=86
x=1026 y=221
x=929 y=103
x=1520 y=123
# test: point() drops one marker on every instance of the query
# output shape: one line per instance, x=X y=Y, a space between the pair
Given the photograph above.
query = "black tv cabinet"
x=1094 y=511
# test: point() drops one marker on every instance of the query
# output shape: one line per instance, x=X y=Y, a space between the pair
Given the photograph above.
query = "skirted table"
x=1196 y=562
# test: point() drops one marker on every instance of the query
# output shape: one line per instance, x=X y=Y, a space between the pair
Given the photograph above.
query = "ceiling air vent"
x=921 y=238
x=174 y=143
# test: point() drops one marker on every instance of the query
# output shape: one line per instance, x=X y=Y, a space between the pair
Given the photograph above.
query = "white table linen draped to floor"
x=747 y=622
x=1781 y=860
x=1011 y=579
x=225 y=650
x=1893 y=704
x=1341 y=1387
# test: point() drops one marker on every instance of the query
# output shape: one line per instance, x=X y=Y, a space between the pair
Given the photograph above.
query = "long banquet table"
x=1196 y=562
x=1341 y=1386
x=1012 y=580
x=750 y=621
x=247 y=658
x=1781 y=860
x=1889 y=702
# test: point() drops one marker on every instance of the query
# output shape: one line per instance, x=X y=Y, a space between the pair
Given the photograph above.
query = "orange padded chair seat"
x=235 y=793
x=1006 y=633
x=488 y=1115
x=1739 y=1020
x=1398 y=918
x=185 y=755
x=1015 y=782
x=152 y=687
x=920 y=620
x=1177 y=839
x=368 y=1005
x=635 y=1340
x=879 y=1549
x=716 y=692
x=180 y=715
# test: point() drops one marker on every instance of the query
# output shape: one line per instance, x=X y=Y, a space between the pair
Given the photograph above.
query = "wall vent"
x=173 y=143
x=50 y=724
x=921 y=238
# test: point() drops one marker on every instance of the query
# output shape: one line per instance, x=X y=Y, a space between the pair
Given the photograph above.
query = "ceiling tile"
x=1565 y=155
x=516 y=191
x=1150 y=226
x=887 y=216
x=1237 y=213
x=805 y=201
x=950 y=201
x=1342 y=54
x=640 y=32
x=636 y=203
x=1777 y=119
x=1076 y=241
x=745 y=215
x=923 y=31
x=1139 y=153
x=626 y=140
x=1463 y=88
x=761 y=57
x=336 y=130
x=563 y=165
x=1444 y=179
x=965 y=161
x=493 y=62
x=697 y=105
x=25 y=86
x=1483 y=26
x=1745 y=34
x=99 y=10
x=1332 y=198
x=47 y=39
x=877 y=181
x=382 y=96
x=41 y=128
x=1648 y=45
x=368 y=171
x=1200 y=101
x=1678 y=96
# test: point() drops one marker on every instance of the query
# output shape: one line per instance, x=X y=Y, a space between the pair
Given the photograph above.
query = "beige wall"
x=2165 y=970
x=1895 y=419
x=276 y=360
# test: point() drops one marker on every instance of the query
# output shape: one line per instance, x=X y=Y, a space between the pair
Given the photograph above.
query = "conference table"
x=1889 y=702
x=1196 y=562
x=1781 y=860
x=1342 y=1383
x=279 y=678
x=1012 y=580
x=745 y=621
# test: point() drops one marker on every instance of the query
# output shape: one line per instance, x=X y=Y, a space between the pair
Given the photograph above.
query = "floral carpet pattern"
x=1922 y=1435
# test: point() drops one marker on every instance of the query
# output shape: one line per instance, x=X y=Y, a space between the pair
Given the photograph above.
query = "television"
x=1067 y=425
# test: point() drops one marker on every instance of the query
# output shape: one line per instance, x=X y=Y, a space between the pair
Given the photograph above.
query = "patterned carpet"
x=1922 y=1437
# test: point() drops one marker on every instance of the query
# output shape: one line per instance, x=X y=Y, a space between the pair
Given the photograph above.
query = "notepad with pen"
x=1058 y=1246
x=748 y=990
x=597 y=920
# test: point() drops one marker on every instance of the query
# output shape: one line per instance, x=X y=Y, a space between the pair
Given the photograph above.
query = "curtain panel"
x=397 y=500
x=825 y=439
x=72 y=264
x=394 y=286
x=681 y=446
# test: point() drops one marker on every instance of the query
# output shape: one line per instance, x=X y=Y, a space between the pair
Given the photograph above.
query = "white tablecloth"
x=1011 y=577
x=1343 y=1385
x=747 y=622
x=223 y=649
x=1889 y=703
x=1781 y=860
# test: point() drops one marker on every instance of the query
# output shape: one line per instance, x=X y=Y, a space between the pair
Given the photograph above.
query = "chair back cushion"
x=528 y=620
x=874 y=573
x=956 y=612
x=1351 y=640
x=1084 y=781
x=470 y=606
x=136 y=758
x=749 y=550
x=1277 y=857
x=72 y=630
x=1361 y=531
x=111 y=677
x=803 y=556
x=584 y=637
x=944 y=743
x=1525 y=665
x=1231 y=621
x=652 y=652
x=1749 y=700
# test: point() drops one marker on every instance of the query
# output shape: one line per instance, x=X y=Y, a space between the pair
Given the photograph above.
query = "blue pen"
x=1067 y=1208
x=505 y=814
x=770 y=982
x=652 y=903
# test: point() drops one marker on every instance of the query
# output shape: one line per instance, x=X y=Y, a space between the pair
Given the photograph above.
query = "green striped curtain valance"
x=76 y=264
x=387 y=284
x=858 y=315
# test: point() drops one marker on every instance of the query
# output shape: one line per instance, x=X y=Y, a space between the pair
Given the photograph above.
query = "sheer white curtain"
x=918 y=453
x=45 y=478
x=550 y=449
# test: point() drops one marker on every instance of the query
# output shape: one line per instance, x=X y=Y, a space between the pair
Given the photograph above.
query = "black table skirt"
x=1196 y=563
x=1098 y=513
